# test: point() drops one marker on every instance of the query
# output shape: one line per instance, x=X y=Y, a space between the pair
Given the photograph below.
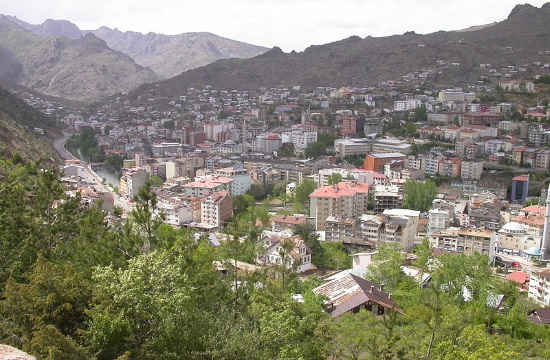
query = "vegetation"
x=418 y=195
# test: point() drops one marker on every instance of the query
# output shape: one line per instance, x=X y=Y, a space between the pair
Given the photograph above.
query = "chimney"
x=381 y=287
x=371 y=288
x=389 y=296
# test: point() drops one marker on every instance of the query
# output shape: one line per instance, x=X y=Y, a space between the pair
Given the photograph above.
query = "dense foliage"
x=75 y=286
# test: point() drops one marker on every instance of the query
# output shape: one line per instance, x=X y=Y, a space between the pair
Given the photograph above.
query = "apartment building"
x=539 y=287
x=465 y=240
x=131 y=181
x=216 y=208
x=348 y=199
x=208 y=185
x=241 y=177
x=388 y=229
x=471 y=169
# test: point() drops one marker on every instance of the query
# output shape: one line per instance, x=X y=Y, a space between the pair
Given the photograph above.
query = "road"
x=89 y=175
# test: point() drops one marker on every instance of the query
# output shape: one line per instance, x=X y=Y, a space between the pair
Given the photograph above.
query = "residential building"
x=484 y=218
x=348 y=199
x=450 y=167
x=386 y=197
x=518 y=86
x=539 y=286
x=267 y=144
x=131 y=181
x=216 y=208
x=476 y=240
x=456 y=96
x=340 y=228
x=345 y=292
x=298 y=258
x=287 y=222
x=175 y=214
x=208 y=185
x=471 y=169
x=388 y=229
x=242 y=179
x=485 y=119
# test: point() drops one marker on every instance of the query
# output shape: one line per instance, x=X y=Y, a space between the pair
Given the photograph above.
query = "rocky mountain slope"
x=81 y=69
x=521 y=38
x=17 y=123
x=170 y=55
x=166 y=55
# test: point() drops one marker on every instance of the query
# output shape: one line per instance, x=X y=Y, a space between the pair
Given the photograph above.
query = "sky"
x=288 y=24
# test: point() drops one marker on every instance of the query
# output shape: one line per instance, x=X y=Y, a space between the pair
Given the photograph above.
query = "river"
x=108 y=176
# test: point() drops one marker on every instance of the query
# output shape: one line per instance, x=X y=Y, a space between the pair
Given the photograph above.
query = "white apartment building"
x=242 y=179
x=539 y=287
x=131 y=181
x=471 y=170
x=405 y=105
x=301 y=139
x=388 y=229
x=175 y=214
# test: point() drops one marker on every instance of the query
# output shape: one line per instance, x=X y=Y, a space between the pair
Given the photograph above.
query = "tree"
x=49 y=304
x=144 y=308
x=420 y=113
x=419 y=196
x=143 y=213
x=303 y=191
x=315 y=149
x=475 y=344
x=334 y=179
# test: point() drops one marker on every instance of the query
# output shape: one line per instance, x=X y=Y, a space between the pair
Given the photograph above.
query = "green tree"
x=303 y=191
x=315 y=149
x=334 y=179
x=143 y=214
x=419 y=196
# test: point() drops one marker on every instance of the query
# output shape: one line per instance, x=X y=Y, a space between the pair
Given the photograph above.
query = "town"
x=369 y=160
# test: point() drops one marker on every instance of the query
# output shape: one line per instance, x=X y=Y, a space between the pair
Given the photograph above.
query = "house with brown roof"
x=289 y=222
x=345 y=292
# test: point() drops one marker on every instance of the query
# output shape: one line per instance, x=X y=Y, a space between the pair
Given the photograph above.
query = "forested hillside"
x=78 y=285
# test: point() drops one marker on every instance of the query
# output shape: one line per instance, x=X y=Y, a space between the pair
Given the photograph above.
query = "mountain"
x=80 y=69
x=170 y=55
x=521 y=38
x=17 y=123
x=166 y=55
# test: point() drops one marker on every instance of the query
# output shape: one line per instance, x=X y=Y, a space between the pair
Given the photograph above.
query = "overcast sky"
x=289 y=24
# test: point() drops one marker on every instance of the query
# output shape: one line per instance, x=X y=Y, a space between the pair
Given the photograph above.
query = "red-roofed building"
x=289 y=222
x=519 y=277
x=347 y=199
x=208 y=185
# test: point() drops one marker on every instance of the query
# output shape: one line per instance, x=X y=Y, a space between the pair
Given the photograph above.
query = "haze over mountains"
x=55 y=58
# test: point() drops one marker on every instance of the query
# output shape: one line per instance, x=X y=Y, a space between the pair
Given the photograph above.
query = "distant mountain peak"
x=525 y=11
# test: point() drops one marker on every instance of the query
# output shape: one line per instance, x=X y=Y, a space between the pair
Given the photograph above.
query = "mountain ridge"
x=166 y=55
x=354 y=61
